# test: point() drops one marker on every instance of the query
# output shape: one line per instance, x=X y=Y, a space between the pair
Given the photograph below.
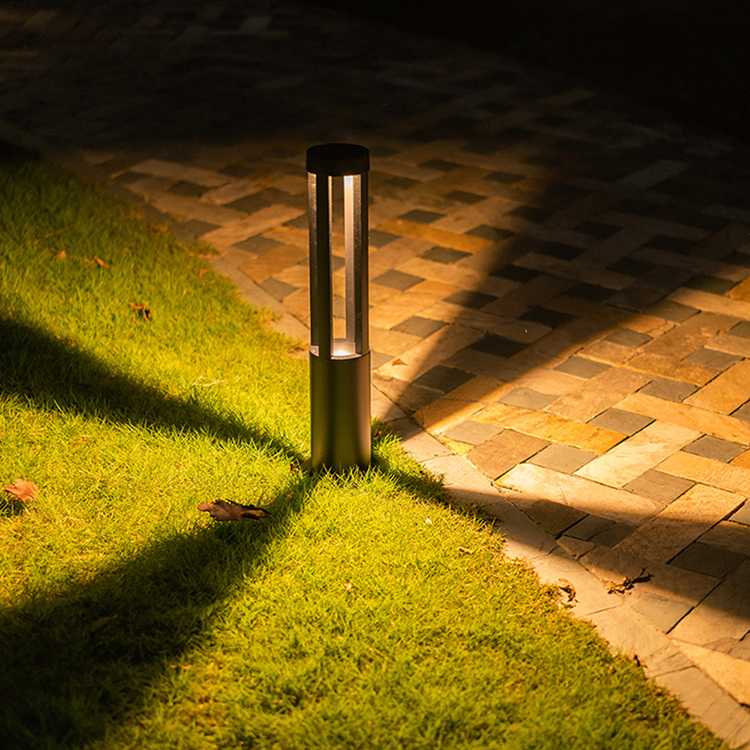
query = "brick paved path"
x=560 y=285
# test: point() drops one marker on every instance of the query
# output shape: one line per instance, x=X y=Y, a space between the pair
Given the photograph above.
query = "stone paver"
x=559 y=302
x=682 y=521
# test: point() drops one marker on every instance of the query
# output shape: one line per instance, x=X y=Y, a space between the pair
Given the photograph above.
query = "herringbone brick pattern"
x=558 y=291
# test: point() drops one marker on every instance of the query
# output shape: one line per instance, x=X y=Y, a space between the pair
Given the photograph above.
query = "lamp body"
x=340 y=411
x=339 y=367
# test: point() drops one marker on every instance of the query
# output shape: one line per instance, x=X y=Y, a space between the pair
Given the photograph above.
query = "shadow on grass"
x=54 y=374
x=77 y=660
x=80 y=661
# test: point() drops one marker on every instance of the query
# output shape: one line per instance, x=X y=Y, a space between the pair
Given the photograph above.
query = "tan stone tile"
x=576 y=492
x=389 y=256
x=726 y=392
x=691 y=262
x=680 y=523
x=652 y=226
x=236 y=189
x=729 y=535
x=432 y=351
x=556 y=347
x=741 y=291
x=289 y=235
x=444 y=413
x=183 y=207
x=383 y=408
x=431 y=290
x=149 y=187
x=731 y=673
x=551 y=428
x=466 y=242
x=669 y=367
x=539 y=290
x=408 y=396
x=550 y=382
x=298 y=305
x=175 y=171
x=743 y=460
x=255 y=223
x=724 y=613
x=707 y=471
x=391 y=342
x=598 y=394
x=296 y=275
x=517 y=330
x=708 y=302
x=429 y=269
x=689 y=336
x=271 y=262
x=574 y=270
x=662 y=612
x=708 y=703
x=502 y=452
x=648 y=324
x=725 y=342
x=395 y=307
x=483 y=389
x=419 y=444
x=718 y=425
x=638 y=454
x=608 y=352
x=581 y=210
x=400 y=168
x=671 y=582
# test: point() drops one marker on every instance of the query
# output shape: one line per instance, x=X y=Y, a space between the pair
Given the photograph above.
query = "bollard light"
x=339 y=366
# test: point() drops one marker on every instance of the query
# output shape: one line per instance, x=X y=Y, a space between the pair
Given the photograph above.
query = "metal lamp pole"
x=339 y=367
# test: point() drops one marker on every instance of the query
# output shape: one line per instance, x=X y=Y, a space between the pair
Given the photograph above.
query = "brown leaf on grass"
x=61 y=255
x=228 y=510
x=22 y=490
x=101 y=263
x=141 y=310
x=202 y=272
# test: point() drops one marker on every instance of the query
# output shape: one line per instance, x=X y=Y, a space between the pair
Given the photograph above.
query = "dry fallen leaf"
x=202 y=272
x=465 y=551
x=22 y=490
x=141 y=310
x=398 y=361
x=348 y=586
x=627 y=583
x=568 y=588
x=101 y=263
x=62 y=255
x=228 y=510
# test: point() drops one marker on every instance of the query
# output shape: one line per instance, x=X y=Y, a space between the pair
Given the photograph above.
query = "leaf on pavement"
x=228 y=510
x=22 y=490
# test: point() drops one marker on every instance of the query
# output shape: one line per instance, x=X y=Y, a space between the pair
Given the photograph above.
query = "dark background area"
x=689 y=60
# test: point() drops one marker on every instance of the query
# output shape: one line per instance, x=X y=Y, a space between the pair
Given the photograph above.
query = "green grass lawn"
x=354 y=617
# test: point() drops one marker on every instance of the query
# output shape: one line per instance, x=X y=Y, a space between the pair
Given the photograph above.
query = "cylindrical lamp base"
x=340 y=405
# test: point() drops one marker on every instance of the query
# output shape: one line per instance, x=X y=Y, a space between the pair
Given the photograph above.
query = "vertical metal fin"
x=319 y=199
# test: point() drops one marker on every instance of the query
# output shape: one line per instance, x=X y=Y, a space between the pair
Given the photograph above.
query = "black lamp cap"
x=336 y=159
